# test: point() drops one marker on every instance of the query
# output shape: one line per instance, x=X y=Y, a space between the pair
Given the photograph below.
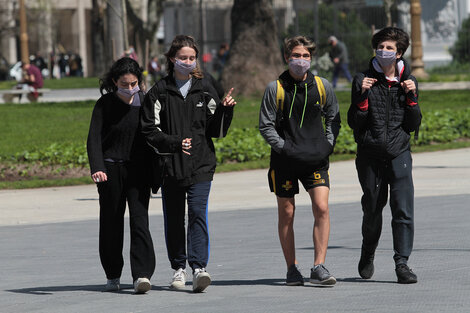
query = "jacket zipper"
x=387 y=113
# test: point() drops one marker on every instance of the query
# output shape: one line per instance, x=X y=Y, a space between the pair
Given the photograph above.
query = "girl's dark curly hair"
x=121 y=67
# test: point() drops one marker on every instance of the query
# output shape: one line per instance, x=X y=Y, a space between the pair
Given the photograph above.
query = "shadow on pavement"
x=250 y=282
x=49 y=290
x=364 y=281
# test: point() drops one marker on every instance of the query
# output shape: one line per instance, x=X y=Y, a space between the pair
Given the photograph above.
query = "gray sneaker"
x=113 y=285
x=320 y=275
x=294 y=277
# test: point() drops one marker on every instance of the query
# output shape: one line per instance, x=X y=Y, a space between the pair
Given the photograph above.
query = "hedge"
x=241 y=145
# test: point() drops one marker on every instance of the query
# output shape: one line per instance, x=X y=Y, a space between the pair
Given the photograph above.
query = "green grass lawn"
x=28 y=127
x=31 y=126
x=64 y=83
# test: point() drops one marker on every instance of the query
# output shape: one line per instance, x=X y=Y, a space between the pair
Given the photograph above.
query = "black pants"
x=174 y=198
x=375 y=176
x=125 y=182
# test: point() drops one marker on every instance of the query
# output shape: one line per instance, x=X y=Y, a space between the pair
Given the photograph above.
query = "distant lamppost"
x=417 y=64
x=23 y=34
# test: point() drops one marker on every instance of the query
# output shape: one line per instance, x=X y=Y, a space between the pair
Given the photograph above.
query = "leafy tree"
x=461 y=49
x=346 y=26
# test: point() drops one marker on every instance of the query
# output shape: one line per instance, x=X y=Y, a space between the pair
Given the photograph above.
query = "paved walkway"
x=82 y=94
x=435 y=174
x=50 y=263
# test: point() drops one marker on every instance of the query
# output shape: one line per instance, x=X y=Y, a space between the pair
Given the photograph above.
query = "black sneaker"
x=405 y=275
x=294 y=278
x=321 y=276
x=366 y=265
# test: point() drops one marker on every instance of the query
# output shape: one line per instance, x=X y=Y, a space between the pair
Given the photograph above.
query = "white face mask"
x=184 y=68
x=385 y=58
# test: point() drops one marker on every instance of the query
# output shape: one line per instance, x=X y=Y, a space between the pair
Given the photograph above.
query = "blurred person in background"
x=339 y=56
x=31 y=80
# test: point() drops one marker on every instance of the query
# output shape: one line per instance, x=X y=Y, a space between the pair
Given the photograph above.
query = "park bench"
x=10 y=95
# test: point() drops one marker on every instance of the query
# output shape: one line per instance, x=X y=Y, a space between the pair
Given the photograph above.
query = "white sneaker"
x=179 y=279
x=201 y=280
x=113 y=284
x=142 y=285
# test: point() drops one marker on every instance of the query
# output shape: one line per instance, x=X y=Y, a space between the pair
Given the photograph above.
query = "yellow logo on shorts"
x=287 y=185
x=318 y=181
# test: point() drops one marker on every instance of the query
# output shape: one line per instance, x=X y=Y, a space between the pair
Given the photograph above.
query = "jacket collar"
x=288 y=82
x=196 y=84
x=403 y=67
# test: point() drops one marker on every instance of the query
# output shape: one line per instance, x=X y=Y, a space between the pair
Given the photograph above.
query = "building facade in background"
x=64 y=26
x=59 y=26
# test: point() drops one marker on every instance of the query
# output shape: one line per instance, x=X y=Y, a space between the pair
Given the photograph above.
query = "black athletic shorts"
x=284 y=182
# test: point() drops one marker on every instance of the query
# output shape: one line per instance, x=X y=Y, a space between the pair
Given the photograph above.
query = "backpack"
x=280 y=94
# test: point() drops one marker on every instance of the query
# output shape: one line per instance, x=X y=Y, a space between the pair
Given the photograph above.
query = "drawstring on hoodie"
x=305 y=105
x=293 y=98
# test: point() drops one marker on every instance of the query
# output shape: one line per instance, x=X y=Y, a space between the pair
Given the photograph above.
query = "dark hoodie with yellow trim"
x=306 y=133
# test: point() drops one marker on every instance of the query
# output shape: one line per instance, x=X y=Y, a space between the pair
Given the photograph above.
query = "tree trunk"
x=388 y=11
x=255 y=57
x=97 y=33
x=147 y=30
x=114 y=36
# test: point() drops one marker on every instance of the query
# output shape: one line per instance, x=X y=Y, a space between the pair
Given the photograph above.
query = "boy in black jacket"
x=384 y=110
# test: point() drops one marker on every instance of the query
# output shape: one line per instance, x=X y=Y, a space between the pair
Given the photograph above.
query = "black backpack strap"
x=161 y=90
x=416 y=134
x=141 y=97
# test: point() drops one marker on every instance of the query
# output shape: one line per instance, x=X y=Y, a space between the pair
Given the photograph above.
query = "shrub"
x=461 y=49
x=247 y=144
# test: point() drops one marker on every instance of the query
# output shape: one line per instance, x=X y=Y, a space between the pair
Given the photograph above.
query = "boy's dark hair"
x=121 y=67
x=181 y=41
x=393 y=34
x=291 y=43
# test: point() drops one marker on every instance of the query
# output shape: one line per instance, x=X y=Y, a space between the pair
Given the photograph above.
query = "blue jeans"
x=198 y=244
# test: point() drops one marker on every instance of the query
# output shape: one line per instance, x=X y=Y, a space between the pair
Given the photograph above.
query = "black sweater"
x=115 y=133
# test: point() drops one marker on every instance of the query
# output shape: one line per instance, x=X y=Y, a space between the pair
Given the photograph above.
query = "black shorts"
x=285 y=182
